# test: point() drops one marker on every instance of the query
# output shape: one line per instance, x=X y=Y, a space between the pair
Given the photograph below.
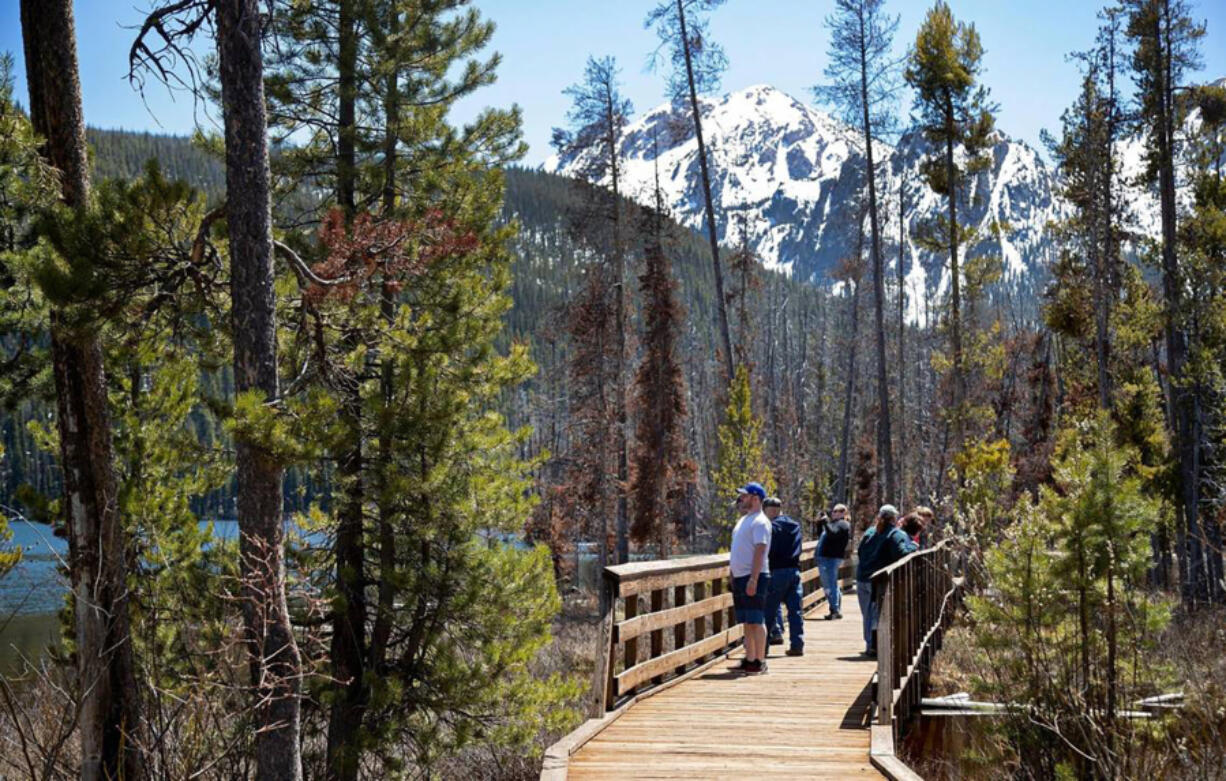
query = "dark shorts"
x=750 y=610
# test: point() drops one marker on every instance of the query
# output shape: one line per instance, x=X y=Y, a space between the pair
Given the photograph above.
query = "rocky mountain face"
x=790 y=176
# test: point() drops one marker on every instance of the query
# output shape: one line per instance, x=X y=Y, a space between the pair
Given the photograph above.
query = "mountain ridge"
x=792 y=174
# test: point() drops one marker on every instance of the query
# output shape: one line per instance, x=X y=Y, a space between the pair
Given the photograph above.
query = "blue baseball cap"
x=752 y=488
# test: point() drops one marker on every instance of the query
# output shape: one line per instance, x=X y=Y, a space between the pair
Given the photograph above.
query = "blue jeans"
x=868 y=609
x=829 y=570
x=785 y=589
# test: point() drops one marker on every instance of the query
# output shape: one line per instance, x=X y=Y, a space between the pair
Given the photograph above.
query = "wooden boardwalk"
x=808 y=717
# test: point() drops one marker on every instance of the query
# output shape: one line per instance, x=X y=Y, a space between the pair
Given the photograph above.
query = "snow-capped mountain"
x=791 y=175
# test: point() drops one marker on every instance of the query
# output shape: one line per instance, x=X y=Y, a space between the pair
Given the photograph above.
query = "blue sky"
x=544 y=44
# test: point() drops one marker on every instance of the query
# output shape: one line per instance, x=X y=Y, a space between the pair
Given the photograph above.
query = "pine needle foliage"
x=1067 y=628
x=742 y=452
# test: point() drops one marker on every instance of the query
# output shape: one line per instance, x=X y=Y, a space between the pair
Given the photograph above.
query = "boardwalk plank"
x=806 y=718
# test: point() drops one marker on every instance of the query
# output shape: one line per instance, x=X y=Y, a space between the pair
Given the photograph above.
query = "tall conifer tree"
x=598 y=116
x=955 y=115
x=864 y=78
x=696 y=64
x=110 y=713
x=1166 y=39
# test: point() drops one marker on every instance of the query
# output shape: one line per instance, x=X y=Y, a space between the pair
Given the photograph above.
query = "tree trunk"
x=955 y=279
x=1195 y=587
x=902 y=355
x=884 y=435
x=110 y=723
x=725 y=335
x=384 y=617
x=275 y=663
x=622 y=438
x=349 y=642
x=840 y=492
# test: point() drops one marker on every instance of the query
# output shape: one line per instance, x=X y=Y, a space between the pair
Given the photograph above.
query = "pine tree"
x=663 y=470
x=864 y=80
x=1165 y=41
x=742 y=451
x=1085 y=155
x=598 y=117
x=275 y=660
x=954 y=113
x=403 y=294
x=111 y=723
x=696 y=64
x=1069 y=634
x=1202 y=243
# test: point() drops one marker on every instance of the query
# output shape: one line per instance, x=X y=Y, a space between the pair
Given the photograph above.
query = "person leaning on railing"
x=882 y=545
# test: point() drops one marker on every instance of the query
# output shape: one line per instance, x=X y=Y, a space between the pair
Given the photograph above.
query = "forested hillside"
x=433 y=388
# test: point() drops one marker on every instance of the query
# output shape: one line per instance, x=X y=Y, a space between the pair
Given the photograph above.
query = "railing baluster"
x=679 y=628
x=657 y=636
x=631 y=645
x=700 y=623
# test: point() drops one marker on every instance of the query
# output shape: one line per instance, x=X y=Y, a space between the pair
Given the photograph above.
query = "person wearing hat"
x=784 y=562
x=751 y=538
x=882 y=545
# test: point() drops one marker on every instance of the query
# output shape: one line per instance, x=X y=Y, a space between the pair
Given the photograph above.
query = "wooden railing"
x=660 y=617
x=916 y=598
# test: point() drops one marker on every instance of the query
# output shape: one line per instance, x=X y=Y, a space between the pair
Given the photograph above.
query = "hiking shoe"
x=830 y=616
x=838 y=615
x=776 y=640
x=740 y=667
x=755 y=668
x=796 y=652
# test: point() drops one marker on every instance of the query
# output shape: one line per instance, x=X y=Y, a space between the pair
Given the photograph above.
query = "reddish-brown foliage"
x=373 y=247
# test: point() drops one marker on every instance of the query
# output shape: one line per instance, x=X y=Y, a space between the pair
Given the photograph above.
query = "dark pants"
x=750 y=610
x=785 y=591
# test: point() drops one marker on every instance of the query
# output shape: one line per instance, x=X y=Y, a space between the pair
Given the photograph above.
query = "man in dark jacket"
x=882 y=545
x=784 y=557
x=831 y=550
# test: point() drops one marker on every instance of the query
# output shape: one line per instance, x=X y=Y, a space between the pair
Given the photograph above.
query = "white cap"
x=888 y=510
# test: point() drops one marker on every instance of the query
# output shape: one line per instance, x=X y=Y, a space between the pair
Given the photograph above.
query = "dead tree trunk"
x=725 y=334
x=855 y=278
x=884 y=436
x=902 y=355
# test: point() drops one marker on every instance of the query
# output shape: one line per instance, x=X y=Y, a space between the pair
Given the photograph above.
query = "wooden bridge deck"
x=808 y=717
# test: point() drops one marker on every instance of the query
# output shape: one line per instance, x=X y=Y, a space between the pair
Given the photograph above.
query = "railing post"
x=717 y=618
x=885 y=657
x=606 y=648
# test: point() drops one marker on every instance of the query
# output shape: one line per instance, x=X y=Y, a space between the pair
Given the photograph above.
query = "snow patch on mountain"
x=790 y=177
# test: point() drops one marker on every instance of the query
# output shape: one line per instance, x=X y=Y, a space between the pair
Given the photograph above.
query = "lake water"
x=34 y=591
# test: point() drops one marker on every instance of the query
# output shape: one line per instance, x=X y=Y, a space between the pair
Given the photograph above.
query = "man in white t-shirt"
x=751 y=538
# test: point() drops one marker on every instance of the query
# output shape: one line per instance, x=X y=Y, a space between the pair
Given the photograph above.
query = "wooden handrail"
x=915 y=598
x=639 y=601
